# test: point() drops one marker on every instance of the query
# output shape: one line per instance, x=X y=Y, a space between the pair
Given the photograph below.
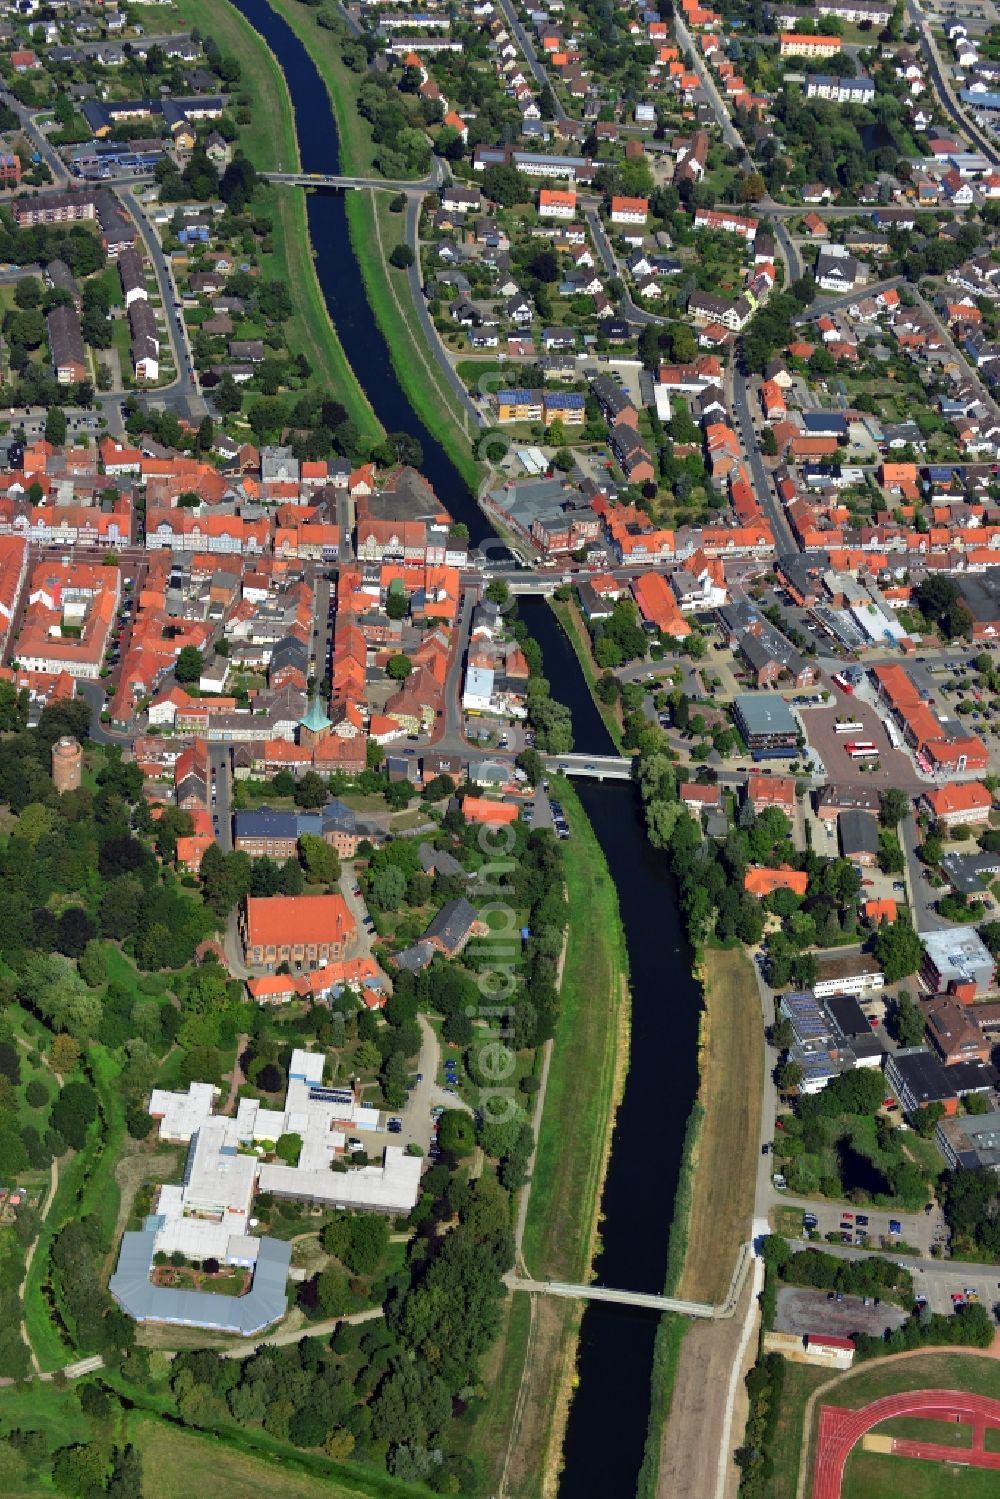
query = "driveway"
x=416 y=1114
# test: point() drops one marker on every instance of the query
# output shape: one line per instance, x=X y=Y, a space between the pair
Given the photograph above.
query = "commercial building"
x=957 y=961
x=970 y=1141
x=828 y=1040
x=967 y=803
x=767 y=724
x=208 y=1215
x=848 y=973
x=918 y=1078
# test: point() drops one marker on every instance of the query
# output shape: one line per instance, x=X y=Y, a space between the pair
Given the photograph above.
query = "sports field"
x=918 y=1464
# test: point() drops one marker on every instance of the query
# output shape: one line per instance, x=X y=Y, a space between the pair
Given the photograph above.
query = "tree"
x=388 y=889
x=55 y=426
x=310 y=791
x=73 y=1111
x=320 y=860
x=288 y=1149
x=890 y=854
x=905 y=1020
x=456 y=1133
x=188 y=665
x=64 y=1054
x=401 y=256
x=893 y=806
x=399 y=667
x=898 y=949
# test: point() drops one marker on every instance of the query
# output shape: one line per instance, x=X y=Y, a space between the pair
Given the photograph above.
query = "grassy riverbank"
x=270 y=143
x=375 y=233
x=729 y=1099
x=357 y=149
x=576 y=632
x=577 y=1119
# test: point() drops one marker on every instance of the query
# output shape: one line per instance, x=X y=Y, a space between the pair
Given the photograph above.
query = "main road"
x=185 y=382
x=943 y=89
x=763 y=481
x=527 y=46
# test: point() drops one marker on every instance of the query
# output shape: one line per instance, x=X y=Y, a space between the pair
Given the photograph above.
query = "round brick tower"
x=67 y=764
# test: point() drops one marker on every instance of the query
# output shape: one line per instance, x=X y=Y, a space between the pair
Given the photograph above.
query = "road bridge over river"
x=595 y=767
x=435 y=179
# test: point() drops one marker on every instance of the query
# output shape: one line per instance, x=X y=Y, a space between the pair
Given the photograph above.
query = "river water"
x=608 y=1417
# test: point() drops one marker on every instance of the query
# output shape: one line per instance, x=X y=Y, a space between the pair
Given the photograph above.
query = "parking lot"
x=802 y=1310
x=865 y=1227
x=894 y=766
x=945 y=1288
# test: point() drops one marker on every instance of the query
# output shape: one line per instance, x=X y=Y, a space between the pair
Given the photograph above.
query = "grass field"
x=576 y=1120
x=666 y=1358
x=913 y=1429
x=731 y=1065
x=874 y=1475
x=178 y=1463
x=576 y=633
x=270 y=142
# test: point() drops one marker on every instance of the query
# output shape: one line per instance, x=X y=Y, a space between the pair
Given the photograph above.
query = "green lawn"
x=576 y=1119
x=875 y=1475
x=485 y=1440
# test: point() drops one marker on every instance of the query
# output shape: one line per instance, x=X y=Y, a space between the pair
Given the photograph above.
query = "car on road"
x=419 y=1077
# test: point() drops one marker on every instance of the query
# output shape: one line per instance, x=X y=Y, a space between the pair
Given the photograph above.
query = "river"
x=608 y=1417
x=337 y=270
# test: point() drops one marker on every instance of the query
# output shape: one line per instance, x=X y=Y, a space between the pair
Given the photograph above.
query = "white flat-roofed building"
x=182 y=1114
x=389 y=1188
x=854 y=973
x=306 y=1066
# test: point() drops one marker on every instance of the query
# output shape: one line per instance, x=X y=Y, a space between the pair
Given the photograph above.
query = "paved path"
x=236 y=1081
x=294 y=1335
x=53 y=1184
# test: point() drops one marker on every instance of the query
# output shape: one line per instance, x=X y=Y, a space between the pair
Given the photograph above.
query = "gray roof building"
x=452 y=926
x=263 y=1304
x=858 y=835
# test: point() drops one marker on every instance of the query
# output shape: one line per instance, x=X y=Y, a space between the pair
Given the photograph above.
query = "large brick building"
x=304 y=930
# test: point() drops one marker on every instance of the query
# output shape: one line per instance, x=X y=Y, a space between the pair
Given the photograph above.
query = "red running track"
x=840 y=1431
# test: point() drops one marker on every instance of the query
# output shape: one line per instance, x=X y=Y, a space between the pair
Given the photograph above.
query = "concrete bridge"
x=597 y=767
x=647 y=1300
x=334 y=179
